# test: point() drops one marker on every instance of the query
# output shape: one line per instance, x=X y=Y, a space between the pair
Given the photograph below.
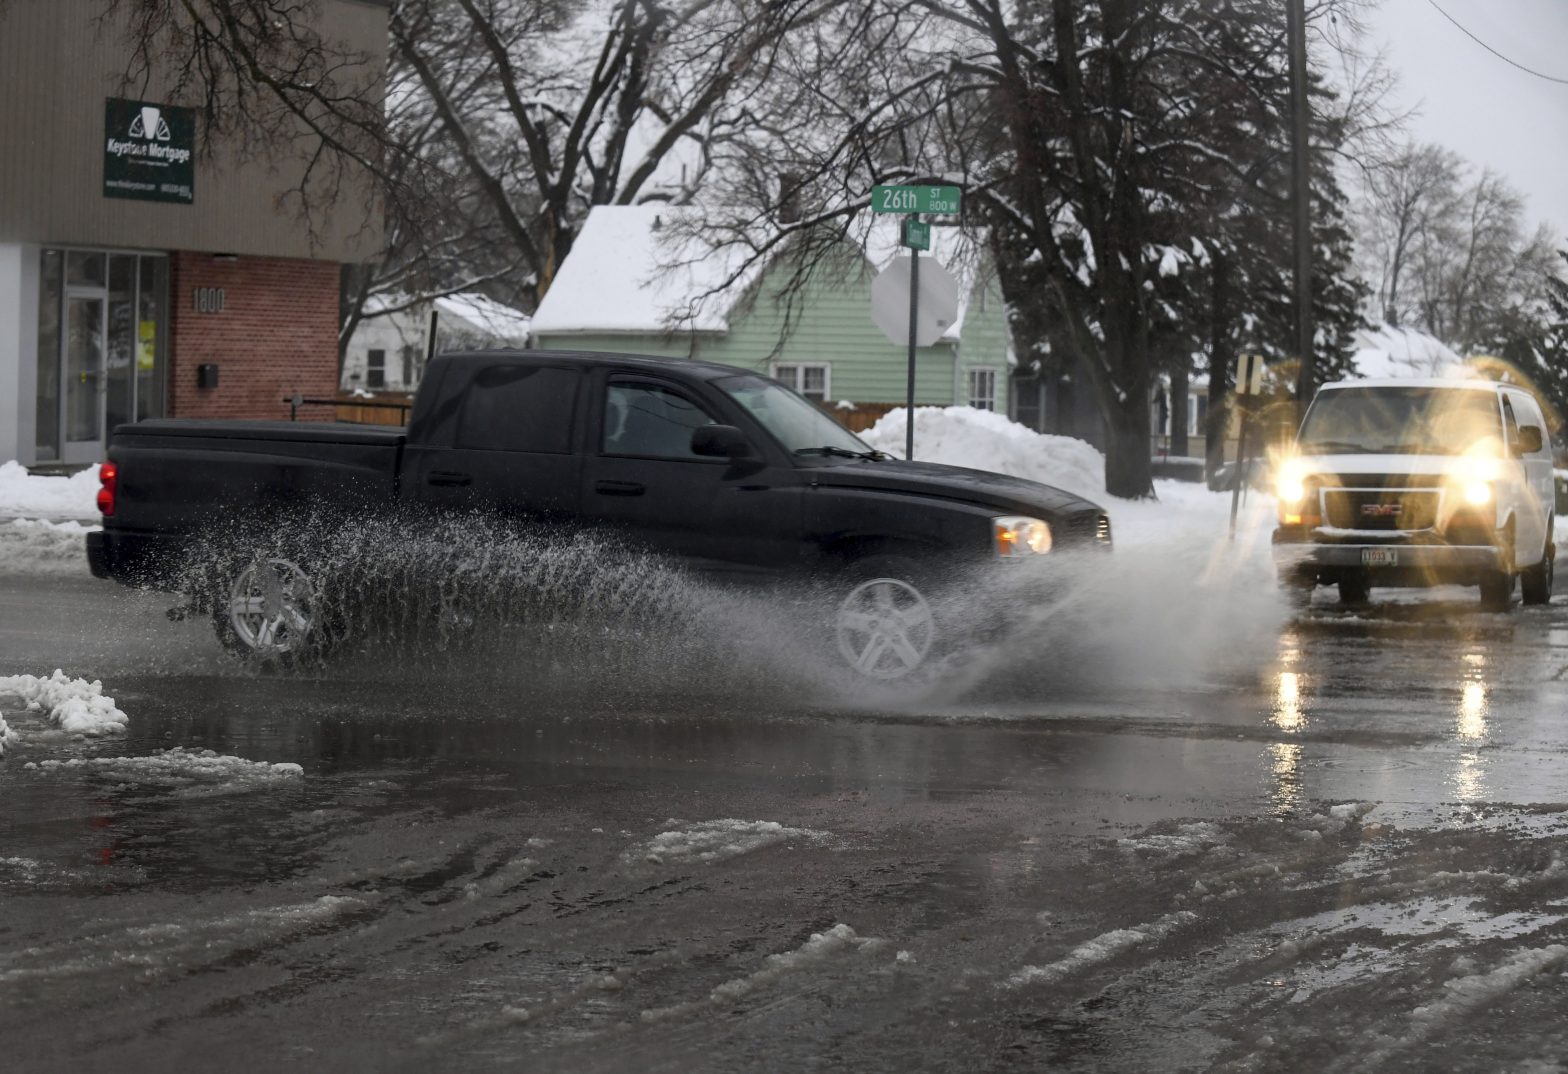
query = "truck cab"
x=1418 y=482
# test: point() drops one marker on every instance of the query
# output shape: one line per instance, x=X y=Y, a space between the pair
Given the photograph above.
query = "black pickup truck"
x=727 y=471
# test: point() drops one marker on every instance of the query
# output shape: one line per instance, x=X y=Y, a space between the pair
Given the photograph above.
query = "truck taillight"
x=108 y=477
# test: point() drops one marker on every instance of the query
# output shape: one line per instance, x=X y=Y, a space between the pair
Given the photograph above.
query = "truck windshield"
x=1401 y=421
x=794 y=420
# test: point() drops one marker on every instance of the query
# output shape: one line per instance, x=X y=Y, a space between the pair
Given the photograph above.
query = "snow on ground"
x=38 y=546
x=25 y=495
x=75 y=705
x=8 y=737
x=711 y=840
x=189 y=773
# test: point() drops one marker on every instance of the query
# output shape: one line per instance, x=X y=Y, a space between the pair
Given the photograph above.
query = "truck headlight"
x=1290 y=483
x=1020 y=535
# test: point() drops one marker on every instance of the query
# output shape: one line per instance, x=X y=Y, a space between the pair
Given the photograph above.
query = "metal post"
x=1243 y=392
x=1301 y=197
x=914 y=306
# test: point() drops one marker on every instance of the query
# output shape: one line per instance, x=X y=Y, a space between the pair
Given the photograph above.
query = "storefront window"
x=120 y=357
x=152 y=300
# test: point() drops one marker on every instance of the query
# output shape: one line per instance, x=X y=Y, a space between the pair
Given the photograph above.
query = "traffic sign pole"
x=914 y=309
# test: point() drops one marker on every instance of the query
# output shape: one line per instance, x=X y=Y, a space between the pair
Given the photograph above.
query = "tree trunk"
x=1127 y=470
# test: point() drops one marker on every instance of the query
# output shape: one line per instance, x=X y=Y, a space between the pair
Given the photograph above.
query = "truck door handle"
x=621 y=488
x=448 y=478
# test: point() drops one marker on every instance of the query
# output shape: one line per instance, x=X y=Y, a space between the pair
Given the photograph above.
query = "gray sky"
x=1477 y=104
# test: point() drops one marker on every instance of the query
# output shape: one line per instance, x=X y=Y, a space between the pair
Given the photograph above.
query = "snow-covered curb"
x=76 y=706
x=37 y=546
x=190 y=772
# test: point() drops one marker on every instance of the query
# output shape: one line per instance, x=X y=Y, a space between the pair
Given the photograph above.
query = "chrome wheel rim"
x=884 y=628
x=272 y=606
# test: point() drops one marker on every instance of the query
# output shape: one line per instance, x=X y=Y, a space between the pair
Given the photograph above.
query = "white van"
x=1418 y=483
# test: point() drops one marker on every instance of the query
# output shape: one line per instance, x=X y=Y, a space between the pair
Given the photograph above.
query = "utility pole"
x=1301 y=197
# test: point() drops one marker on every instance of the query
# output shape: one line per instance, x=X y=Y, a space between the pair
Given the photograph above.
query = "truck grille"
x=1380 y=509
x=1089 y=528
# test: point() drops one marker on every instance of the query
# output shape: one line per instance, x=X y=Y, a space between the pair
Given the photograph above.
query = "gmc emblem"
x=1380 y=510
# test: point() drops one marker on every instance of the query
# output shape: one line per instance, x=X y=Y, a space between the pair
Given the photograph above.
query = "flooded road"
x=1349 y=855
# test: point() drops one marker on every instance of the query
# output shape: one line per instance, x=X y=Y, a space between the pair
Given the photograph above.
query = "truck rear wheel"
x=271 y=612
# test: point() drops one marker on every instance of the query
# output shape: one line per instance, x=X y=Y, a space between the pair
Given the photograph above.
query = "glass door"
x=85 y=383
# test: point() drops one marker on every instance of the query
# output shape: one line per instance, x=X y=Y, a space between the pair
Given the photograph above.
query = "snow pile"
x=25 y=495
x=821 y=947
x=1102 y=949
x=192 y=772
x=711 y=840
x=8 y=737
x=76 y=705
x=1388 y=351
x=35 y=546
x=986 y=440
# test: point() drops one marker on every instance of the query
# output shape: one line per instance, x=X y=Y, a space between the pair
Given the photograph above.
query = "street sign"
x=917 y=234
x=915 y=199
x=937 y=309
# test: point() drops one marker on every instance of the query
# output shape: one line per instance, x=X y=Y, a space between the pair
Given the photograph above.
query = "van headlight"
x=1020 y=535
x=1290 y=483
x=1475 y=474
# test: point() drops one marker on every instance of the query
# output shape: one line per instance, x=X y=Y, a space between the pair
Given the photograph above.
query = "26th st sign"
x=915 y=199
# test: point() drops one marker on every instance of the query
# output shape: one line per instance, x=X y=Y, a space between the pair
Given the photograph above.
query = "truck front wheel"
x=885 y=626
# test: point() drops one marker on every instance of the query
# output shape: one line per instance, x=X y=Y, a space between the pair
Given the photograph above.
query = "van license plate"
x=1380 y=557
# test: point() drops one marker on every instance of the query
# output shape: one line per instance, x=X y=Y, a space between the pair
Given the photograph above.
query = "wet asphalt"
x=1350 y=854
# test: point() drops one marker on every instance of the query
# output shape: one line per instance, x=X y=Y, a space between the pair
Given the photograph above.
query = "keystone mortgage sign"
x=149 y=151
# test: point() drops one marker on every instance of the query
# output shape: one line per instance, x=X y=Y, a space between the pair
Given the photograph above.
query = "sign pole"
x=914 y=307
x=1243 y=392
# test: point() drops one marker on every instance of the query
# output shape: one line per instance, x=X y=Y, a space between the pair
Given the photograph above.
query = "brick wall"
x=276 y=335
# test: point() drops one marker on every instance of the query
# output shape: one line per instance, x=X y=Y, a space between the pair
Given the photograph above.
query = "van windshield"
x=1401 y=421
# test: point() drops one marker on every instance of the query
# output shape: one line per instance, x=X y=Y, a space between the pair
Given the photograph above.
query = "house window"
x=376 y=369
x=982 y=389
x=809 y=379
x=409 y=353
x=1197 y=413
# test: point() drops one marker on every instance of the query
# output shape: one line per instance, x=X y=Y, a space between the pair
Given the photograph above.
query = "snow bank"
x=986 y=440
x=25 y=495
x=76 y=705
x=1102 y=949
x=36 y=546
x=8 y=737
x=714 y=839
x=190 y=772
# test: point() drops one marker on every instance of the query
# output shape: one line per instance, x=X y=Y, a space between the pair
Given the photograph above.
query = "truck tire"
x=269 y=610
x=1535 y=583
x=884 y=623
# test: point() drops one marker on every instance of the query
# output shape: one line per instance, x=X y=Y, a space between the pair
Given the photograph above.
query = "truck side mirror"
x=1529 y=439
x=719 y=441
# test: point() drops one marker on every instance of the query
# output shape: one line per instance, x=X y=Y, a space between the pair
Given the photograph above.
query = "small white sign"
x=1249 y=385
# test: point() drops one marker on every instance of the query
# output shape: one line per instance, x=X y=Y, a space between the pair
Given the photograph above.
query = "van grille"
x=1380 y=509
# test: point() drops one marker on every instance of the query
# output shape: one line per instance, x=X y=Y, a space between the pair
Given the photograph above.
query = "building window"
x=376 y=369
x=809 y=379
x=982 y=389
x=1197 y=413
x=410 y=353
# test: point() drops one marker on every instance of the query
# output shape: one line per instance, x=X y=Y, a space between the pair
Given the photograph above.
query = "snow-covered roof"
x=1391 y=352
x=477 y=312
x=484 y=314
x=1468 y=380
x=637 y=269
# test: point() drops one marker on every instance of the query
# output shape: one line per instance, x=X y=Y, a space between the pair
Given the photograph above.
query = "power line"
x=1493 y=51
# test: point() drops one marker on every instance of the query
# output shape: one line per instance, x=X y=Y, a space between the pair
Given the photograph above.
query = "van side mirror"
x=1529 y=439
x=719 y=441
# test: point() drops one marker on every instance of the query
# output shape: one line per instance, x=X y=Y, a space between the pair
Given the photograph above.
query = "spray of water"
x=489 y=603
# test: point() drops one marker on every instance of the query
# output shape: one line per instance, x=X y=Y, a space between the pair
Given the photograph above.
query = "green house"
x=638 y=281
